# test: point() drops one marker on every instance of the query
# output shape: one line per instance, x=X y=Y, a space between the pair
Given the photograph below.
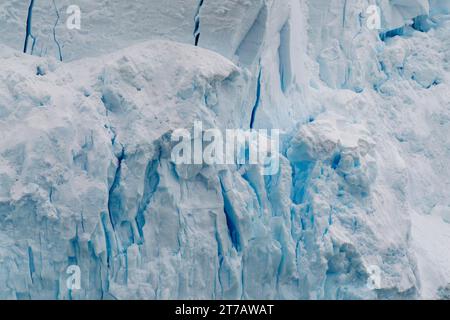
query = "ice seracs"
x=87 y=177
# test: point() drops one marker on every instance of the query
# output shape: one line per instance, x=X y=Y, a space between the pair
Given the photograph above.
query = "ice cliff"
x=86 y=176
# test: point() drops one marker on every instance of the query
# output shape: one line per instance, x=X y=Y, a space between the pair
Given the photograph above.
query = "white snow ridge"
x=92 y=205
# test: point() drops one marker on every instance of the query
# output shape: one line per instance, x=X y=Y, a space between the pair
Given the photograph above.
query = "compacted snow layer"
x=85 y=150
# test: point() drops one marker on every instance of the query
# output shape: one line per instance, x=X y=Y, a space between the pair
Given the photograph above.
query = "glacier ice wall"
x=87 y=179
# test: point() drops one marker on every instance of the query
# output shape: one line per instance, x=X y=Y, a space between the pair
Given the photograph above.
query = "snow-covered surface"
x=86 y=176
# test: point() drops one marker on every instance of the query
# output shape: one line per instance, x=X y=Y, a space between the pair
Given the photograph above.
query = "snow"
x=87 y=177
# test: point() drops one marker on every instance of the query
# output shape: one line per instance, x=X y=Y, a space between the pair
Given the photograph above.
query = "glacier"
x=87 y=179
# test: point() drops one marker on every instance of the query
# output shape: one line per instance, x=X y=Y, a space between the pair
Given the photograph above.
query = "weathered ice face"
x=345 y=194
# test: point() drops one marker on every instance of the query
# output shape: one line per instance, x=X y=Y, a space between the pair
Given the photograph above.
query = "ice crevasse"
x=86 y=176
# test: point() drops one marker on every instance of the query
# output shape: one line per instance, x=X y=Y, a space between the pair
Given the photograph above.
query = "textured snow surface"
x=86 y=176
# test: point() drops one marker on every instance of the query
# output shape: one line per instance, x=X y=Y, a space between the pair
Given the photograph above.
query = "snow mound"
x=87 y=176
